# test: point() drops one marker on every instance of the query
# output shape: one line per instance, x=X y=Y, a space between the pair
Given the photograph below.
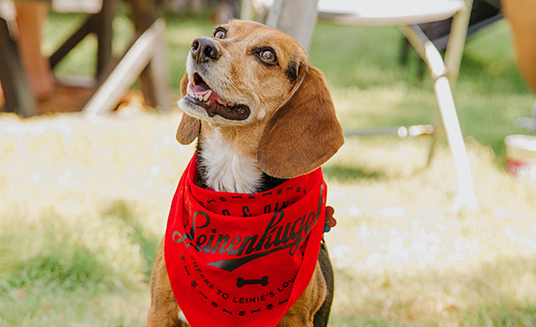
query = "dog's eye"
x=268 y=56
x=265 y=55
x=219 y=34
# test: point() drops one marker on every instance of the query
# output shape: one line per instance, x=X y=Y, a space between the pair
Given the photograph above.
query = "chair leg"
x=466 y=192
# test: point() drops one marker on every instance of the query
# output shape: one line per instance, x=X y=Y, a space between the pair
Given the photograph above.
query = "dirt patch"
x=70 y=98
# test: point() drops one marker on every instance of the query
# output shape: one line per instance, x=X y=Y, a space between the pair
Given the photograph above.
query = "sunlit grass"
x=403 y=258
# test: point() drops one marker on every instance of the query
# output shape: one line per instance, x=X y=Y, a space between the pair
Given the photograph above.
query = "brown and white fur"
x=262 y=115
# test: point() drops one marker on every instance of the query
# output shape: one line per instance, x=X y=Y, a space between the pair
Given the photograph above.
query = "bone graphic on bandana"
x=240 y=281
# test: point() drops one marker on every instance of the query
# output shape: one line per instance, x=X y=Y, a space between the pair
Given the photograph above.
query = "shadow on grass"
x=349 y=174
x=349 y=321
x=60 y=261
x=69 y=268
x=148 y=242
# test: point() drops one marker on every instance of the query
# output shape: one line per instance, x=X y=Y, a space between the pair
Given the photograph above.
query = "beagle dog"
x=262 y=115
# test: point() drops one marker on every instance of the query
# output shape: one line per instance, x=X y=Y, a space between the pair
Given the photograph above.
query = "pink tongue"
x=199 y=89
x=202 y=89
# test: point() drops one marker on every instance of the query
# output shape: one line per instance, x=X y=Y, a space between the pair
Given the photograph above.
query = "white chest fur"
x=226 y=171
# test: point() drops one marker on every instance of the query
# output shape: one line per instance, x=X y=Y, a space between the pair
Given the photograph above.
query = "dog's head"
x=247 y=73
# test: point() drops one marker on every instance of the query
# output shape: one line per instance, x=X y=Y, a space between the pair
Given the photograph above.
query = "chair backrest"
x=297 y=18
x=483 y=13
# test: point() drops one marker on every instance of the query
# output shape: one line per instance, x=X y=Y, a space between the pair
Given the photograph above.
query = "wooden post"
x=104 y=31
x=17 y=92
x=154 y=79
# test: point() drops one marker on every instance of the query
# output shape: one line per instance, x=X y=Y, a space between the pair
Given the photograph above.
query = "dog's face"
x=241 y=74
x=247 y=74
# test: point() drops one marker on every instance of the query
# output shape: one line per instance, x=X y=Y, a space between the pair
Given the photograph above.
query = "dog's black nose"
x=205 y=49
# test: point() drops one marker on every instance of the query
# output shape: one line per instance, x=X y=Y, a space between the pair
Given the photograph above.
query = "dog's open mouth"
x=200 y=94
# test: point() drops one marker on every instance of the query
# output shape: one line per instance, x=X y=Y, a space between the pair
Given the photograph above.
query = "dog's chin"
x=214 y=112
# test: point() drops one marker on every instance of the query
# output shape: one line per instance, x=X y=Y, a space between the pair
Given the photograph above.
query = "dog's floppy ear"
x=304 y=132
x=189 y=126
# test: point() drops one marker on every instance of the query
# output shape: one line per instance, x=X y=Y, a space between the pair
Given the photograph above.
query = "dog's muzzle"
x=205 y=50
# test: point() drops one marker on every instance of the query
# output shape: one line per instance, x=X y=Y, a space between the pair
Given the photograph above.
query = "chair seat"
x=388 y=12
x=384 y=12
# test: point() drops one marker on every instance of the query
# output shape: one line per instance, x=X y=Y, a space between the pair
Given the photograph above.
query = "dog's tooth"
x=205 y=98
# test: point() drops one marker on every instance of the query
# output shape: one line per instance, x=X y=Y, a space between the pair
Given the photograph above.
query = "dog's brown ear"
x=184 y=84
x=189 y=126
x=304 y=132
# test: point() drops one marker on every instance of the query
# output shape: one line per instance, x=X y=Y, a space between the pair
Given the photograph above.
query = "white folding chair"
x=298 y=17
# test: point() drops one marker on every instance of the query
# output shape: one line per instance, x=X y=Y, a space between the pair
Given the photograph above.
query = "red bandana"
x=237 y=259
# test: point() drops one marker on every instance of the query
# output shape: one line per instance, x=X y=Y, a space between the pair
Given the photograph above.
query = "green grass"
x=84 y=203
x=57 y=276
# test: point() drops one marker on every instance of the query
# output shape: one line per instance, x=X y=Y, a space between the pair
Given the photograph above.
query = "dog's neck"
x=227 y=160
x=223 y=167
